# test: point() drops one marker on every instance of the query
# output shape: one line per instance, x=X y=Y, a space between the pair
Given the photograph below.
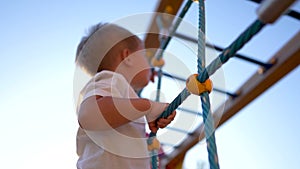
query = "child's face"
x=140 y=68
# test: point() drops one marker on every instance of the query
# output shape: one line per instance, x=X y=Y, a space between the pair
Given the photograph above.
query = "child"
x=110 y=114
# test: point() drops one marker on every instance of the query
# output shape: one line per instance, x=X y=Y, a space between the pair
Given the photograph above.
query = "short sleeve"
x=107 y=83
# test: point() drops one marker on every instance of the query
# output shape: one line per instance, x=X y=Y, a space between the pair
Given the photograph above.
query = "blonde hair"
x=100 y=39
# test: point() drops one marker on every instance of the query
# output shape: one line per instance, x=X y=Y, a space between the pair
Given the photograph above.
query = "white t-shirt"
x=123 y=147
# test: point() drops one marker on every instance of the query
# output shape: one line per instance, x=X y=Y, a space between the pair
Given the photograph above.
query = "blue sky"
x=38 y=42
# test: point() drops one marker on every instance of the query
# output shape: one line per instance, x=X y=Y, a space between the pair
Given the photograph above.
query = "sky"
x=38 y=44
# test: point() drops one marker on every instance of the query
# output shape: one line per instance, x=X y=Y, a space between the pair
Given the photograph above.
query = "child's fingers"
x=162 y=123
x=153 y=127
x=172 y=115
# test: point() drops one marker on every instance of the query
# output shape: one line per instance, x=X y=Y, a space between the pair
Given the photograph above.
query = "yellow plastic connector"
x=196 y=87
x=155 y=145
x=169 y=9
x=157 y=63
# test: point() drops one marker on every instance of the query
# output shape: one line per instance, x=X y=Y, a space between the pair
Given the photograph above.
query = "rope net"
x=203 y=74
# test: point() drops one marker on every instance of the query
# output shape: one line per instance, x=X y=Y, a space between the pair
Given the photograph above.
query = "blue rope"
x=201 y=38
x=172 y=106
x=207 y=116
x=175 y=103
x=159 y=75
x=184 y=95
x=174 y=28
x=231 y=50
x=165 y=41
x=209 y=131
x=204 y=74
x=217 y=63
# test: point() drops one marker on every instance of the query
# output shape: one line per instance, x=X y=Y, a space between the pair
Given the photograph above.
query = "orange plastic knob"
x=195 y=87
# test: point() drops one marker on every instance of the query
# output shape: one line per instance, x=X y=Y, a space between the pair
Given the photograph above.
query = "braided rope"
x=231 y=50
x=159 y=75
x=204 y=74
x=164 y=44
x=209 y=131
x=175 y=103
x=209 y=126
x=201 y=38
x=217 y=63
x=172 y=106
x=174 y=28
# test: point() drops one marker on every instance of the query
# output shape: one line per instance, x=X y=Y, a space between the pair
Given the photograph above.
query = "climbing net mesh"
x=201 y=79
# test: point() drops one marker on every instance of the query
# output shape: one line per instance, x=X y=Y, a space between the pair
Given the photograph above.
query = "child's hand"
x=162 y=122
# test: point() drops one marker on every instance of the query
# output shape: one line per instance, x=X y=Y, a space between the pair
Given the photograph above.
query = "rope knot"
x=196 y=87
x=153 y=143
x=158 y=62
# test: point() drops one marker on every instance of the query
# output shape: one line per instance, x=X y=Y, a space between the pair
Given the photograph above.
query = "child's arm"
x=102 y=113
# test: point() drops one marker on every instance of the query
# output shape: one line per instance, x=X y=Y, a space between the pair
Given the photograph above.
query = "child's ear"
x=125 y=57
